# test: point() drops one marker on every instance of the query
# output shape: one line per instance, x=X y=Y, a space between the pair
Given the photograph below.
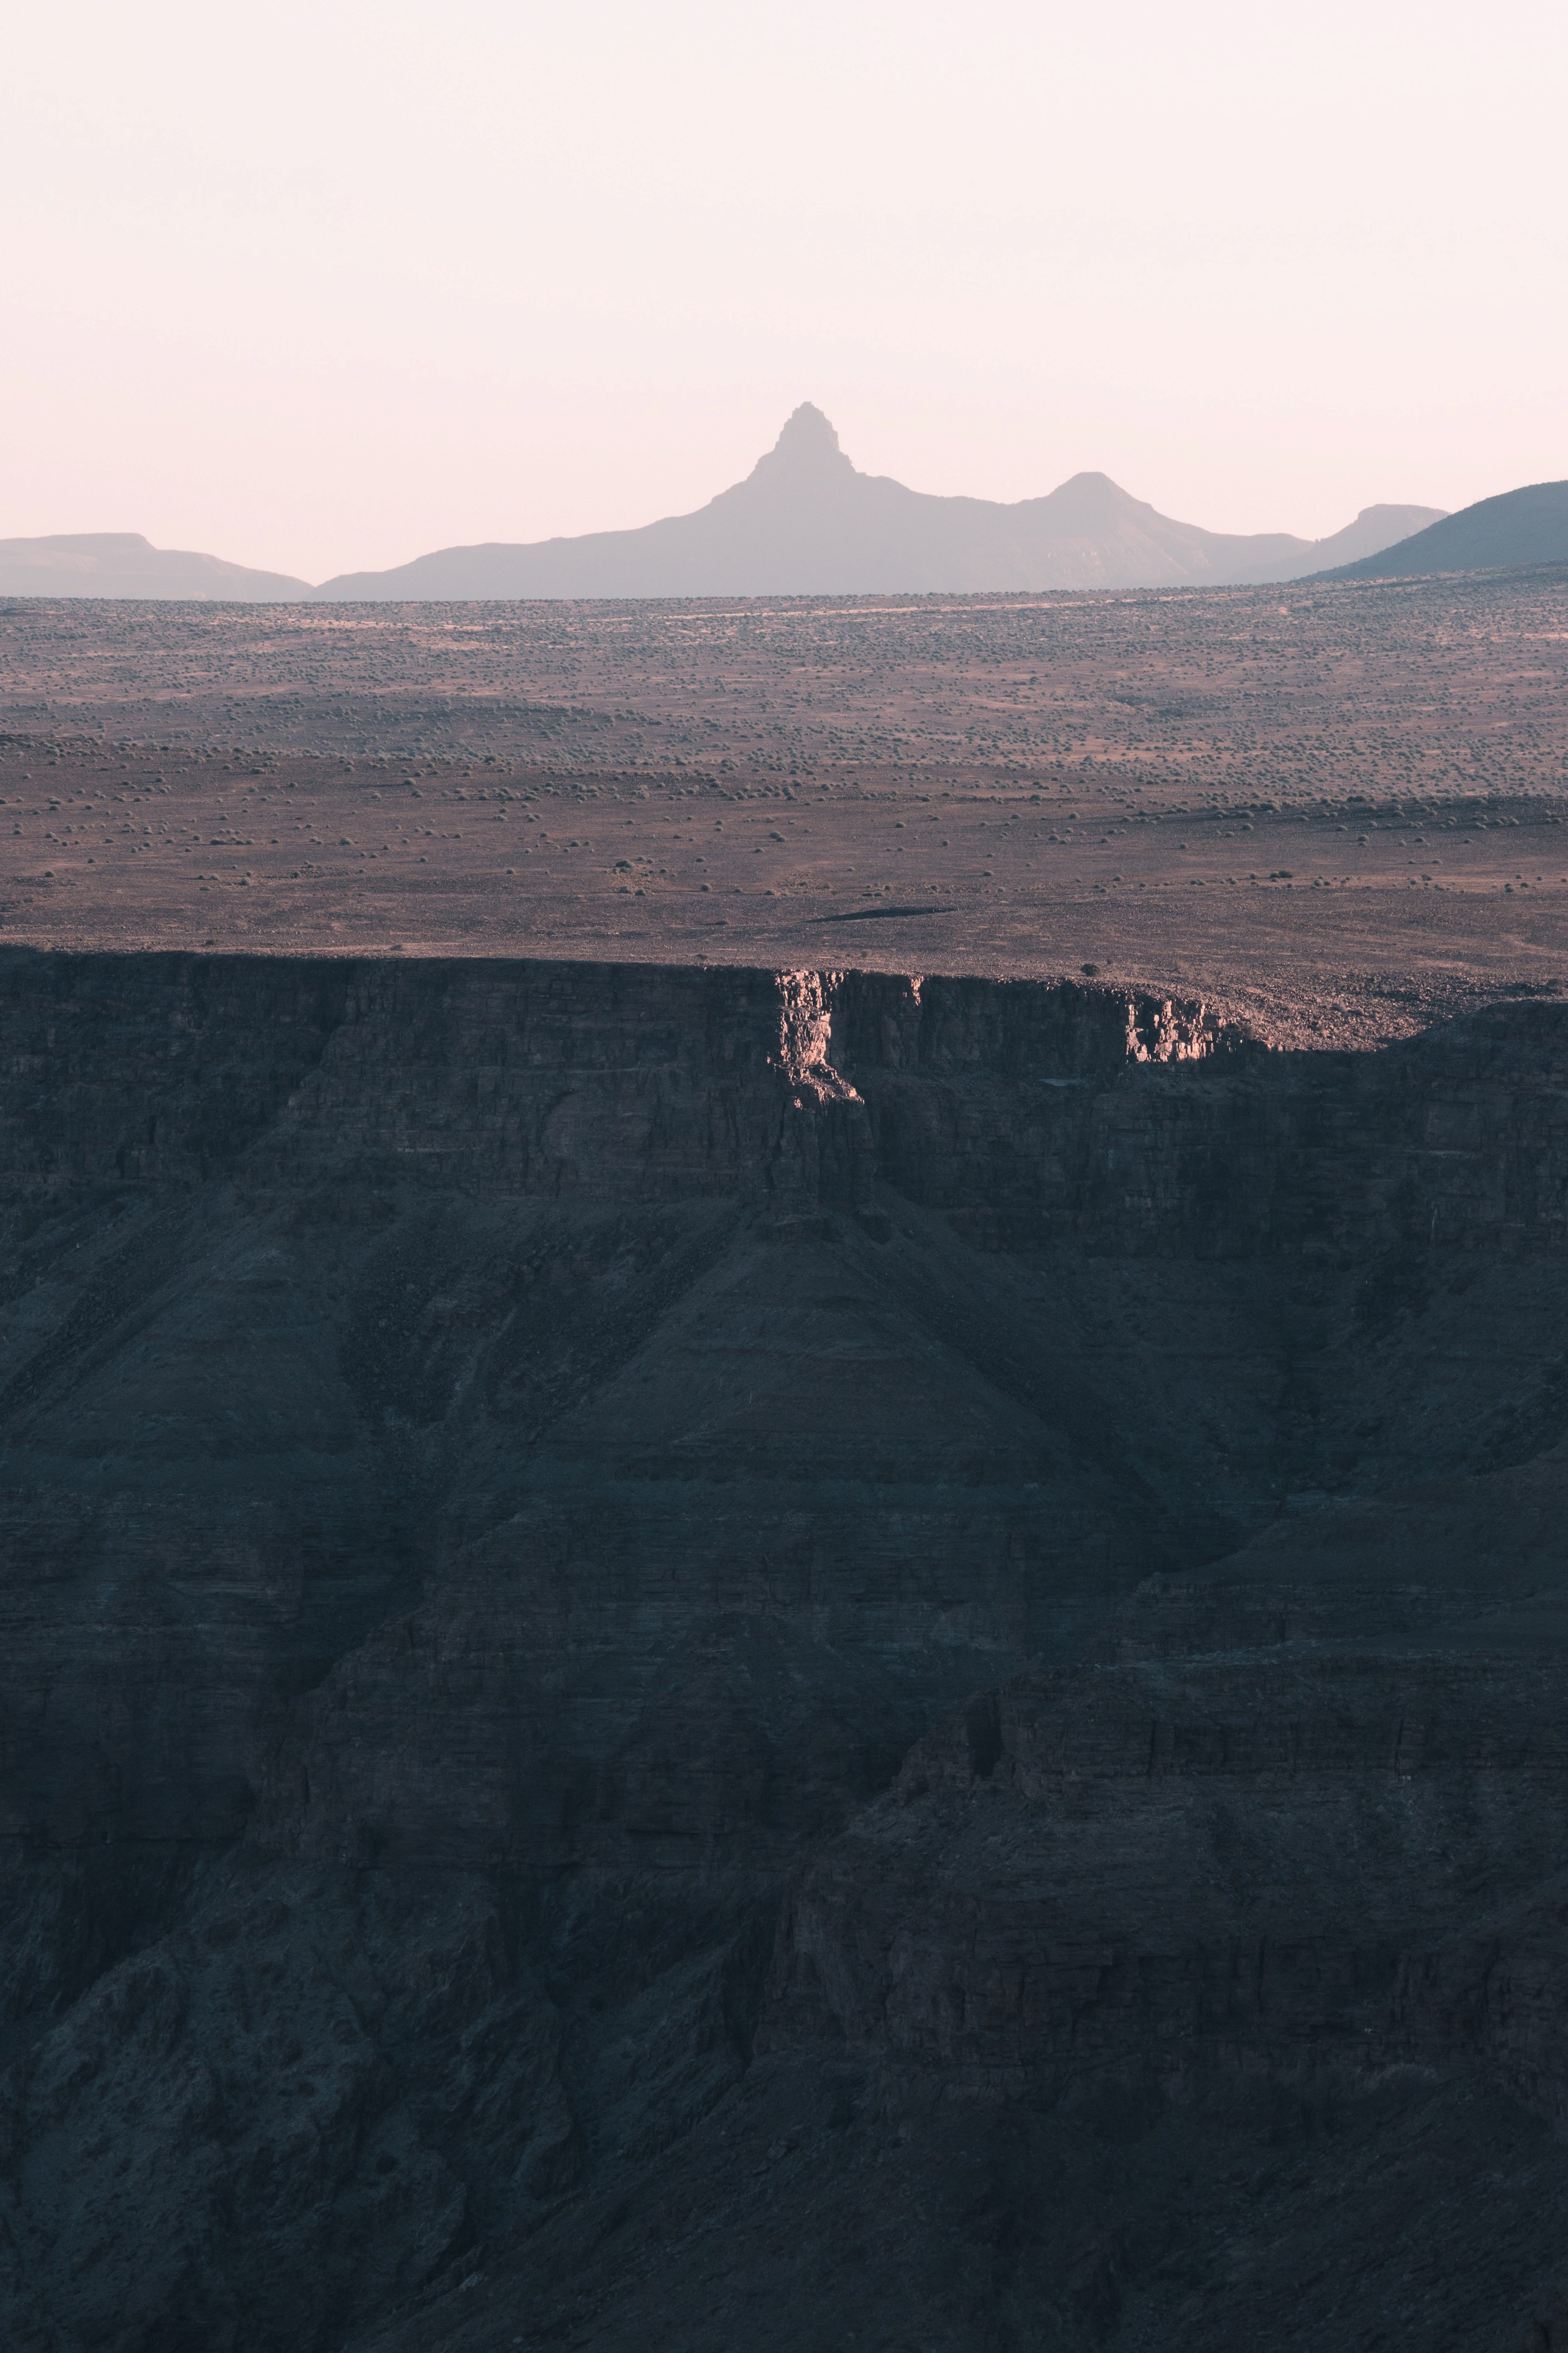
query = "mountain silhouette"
x=807 y=522
x=1523 y=526
x=123 y=563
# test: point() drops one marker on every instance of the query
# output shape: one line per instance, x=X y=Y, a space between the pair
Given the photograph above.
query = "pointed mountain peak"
x=808 y=436
x=806 y=452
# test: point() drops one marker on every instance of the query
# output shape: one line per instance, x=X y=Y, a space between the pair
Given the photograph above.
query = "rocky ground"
x=768 y=1651
x=1337 y=810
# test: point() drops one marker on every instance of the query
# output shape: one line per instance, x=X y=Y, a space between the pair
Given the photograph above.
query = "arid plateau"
x=785 y=1423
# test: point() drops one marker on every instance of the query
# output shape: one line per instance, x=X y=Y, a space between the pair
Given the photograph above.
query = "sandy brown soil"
x=1339 y=811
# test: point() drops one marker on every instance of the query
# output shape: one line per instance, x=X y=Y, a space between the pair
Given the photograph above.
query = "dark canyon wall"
x=699 y=1656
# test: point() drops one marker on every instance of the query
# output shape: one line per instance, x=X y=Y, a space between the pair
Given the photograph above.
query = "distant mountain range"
x=123 y=563
x=806 y=521
x=1526 y=527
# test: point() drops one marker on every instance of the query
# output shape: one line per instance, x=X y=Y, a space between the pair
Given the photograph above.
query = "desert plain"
x=1336 y=810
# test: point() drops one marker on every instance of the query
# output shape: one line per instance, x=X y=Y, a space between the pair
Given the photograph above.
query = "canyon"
x=776 y=1654
x=783 y=1420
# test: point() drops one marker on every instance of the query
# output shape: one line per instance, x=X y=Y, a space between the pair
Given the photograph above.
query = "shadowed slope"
x=738 y=1657
x=1524 y=526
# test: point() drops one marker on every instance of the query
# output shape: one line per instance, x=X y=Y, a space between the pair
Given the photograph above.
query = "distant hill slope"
x=123 y=563
x=806 y=521
x=1524 y=526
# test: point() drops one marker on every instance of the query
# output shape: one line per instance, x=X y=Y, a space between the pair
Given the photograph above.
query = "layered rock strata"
x=813 y=1658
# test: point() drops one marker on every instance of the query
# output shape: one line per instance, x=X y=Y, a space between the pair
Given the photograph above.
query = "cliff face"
x=815 y=1601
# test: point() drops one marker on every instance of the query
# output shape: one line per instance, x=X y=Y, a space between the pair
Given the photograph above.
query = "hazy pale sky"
x=329 y=285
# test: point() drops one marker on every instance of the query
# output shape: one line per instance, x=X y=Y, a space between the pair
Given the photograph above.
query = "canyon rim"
x=737 y=1611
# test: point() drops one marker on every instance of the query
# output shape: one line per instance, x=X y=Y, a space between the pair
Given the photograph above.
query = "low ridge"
x=1523 y=526
x=124 y=563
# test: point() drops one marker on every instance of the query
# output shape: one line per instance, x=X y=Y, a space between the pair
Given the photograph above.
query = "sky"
x=322 y=287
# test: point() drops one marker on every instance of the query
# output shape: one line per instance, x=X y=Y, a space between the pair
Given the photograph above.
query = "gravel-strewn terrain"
x=1340 y=810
